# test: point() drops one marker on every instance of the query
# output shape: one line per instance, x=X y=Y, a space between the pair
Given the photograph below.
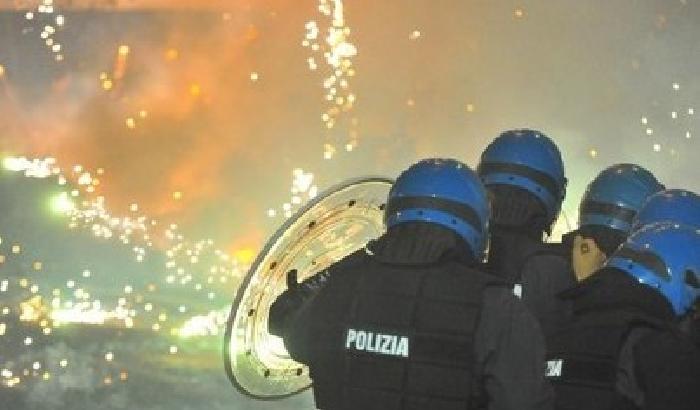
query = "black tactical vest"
x=537 y=272
x=396 y=337
x=691 y=326
x=583 y=358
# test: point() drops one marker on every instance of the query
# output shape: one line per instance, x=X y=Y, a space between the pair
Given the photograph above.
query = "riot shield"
x=330 y=227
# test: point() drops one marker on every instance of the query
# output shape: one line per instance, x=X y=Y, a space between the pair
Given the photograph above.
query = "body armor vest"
x=583 y=359
x=397 y=337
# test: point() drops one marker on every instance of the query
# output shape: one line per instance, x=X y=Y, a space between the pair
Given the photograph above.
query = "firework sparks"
x=337 y=52
x=40 y=311
x=302 y=189
x=197 y=265
x=46 y=17
x=86 y=209
x=204 y=325
x=678 y=121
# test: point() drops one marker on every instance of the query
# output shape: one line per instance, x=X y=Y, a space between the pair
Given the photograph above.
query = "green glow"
x=61 y=204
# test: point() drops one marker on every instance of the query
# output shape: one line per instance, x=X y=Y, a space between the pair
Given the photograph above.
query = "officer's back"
x=524 y=174
x=409 y=323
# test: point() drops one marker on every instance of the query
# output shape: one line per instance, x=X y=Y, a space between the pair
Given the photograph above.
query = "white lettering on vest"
x=352 y=336
x=518 y=290
x=402 y=348
x=370 y=342
x=554 y=368
x=385 y=344
x=386 y=347
x=361 y=341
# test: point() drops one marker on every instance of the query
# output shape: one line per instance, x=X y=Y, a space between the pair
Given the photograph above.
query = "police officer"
x=675 y=206
x=409 y=322
x=623 y=350
x=606 y=214
x=524 y=175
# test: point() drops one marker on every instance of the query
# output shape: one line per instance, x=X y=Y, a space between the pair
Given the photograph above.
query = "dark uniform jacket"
x=691 y=325
x=407 y=324
x=538 y=271
x=622 y=350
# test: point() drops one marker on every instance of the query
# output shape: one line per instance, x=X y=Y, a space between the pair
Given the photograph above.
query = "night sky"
x=209 y=116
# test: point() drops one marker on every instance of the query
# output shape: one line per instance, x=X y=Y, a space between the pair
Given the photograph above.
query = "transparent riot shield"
x=333 y=225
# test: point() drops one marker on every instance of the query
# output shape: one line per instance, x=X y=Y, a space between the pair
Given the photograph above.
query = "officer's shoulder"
x=500 y=305
x=551 y=254
x=481 y=272
x=498 y=301
x=351 y=261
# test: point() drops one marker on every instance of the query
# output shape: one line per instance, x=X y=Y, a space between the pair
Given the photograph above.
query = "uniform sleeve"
x=297 y=330
x=510 y=355
x=289 y=316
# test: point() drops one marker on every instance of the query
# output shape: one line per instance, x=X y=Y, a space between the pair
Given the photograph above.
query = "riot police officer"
x=409 y=322
x=524 y=174
x=622 y=349
x=674 y=206
x=606 y=214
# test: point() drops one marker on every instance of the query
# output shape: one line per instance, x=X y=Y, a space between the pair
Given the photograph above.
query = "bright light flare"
x=245 y=255
x=204 y=325
x=62 y=204
x=35 y=168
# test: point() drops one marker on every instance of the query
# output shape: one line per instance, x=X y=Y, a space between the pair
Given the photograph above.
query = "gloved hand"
x=313 y=284
x=293 y=299
x=288 y=302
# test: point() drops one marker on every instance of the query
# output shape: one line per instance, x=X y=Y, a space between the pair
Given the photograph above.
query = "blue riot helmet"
x=614 y=197
x=667 y=258
x=676 y=206
x=526 y=160
x=444 y=192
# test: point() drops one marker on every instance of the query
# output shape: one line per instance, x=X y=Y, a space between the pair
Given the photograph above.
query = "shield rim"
x=254 y=267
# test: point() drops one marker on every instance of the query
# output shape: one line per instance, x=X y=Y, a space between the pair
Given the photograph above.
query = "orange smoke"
x=127 y=4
